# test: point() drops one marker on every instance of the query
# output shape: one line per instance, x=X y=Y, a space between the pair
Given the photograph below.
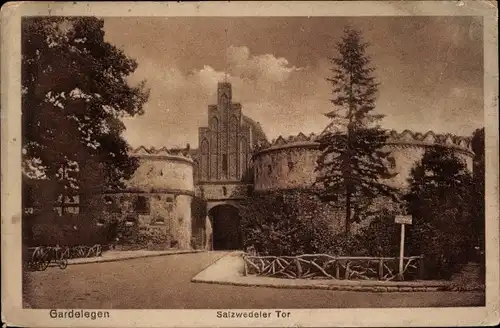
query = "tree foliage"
x=74 y=96
x=352 y=163
x=440 y=200
x=479 y=184
x=382 y=236
x=287 y=223
x=479 y=226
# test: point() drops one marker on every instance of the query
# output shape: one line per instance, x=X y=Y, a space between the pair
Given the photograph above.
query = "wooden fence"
x=324 y=266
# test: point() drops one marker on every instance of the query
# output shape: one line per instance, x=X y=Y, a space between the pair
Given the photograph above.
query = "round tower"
x=157 y=198
x=291 y=163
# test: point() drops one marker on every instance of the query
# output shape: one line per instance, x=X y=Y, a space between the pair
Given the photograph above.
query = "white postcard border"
x=14 y=314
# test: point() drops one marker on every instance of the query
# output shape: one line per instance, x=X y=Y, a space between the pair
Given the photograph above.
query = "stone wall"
x=285 y=168
x=157 y=200
x=407 y=156
x=221 y=191
x=166 y=214
x=290 y=163
x=159 y=171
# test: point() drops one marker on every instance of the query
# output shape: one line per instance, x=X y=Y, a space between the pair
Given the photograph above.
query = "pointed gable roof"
x=406 y=135
x=279 y=141
x=301 y=137
x=448 y=140
x=429 y=137
x=141 y=151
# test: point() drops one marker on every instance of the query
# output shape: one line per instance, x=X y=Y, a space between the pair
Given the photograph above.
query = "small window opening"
x=392 y=162
x=130 y=221
x=224 y=164
x=111 y=205
x=160 y=221
x=142 y=205
x=224 y=191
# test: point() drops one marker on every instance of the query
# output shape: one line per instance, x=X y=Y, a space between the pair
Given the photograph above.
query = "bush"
x=440 y=201
x=287 y=223
x=50 y=229
x=141 y=237
x=338 y=244
x=382 y=236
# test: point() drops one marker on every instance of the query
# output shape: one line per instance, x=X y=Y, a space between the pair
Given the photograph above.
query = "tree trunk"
x=349 y=154
x=63 y=193
x=347 y=212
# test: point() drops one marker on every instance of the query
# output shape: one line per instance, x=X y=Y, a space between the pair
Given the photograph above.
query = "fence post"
x=421 y=265
x=337 y=269
x=381 y=269
x=246 y=265
x=347 y=263
x=299 y=268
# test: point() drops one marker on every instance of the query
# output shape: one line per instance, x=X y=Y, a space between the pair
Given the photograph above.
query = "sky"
x=430 y=71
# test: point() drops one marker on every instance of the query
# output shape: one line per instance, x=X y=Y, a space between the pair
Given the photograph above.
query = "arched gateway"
x=226 y=227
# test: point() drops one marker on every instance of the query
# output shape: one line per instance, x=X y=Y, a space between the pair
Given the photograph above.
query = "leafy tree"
x=352 y=163
x=477 y=144
x=479 y=227
x=74 y=94
x=440 y=203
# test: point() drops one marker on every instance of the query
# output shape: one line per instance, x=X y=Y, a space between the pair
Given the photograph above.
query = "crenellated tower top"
x=160 y=154
x=405 y=138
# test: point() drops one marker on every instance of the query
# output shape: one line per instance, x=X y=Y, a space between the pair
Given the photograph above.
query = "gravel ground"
x=164 y=283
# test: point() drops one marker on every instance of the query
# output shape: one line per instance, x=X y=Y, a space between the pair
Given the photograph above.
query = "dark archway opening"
x=226 y=228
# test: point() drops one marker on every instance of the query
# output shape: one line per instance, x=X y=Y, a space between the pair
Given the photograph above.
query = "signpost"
x=402 y=219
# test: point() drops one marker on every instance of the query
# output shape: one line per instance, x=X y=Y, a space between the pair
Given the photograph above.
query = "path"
x=164 y=283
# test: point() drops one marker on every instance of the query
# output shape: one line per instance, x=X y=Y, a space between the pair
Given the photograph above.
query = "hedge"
x=50 y=229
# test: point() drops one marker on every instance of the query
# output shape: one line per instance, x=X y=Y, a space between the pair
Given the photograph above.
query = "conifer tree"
x=352 y=163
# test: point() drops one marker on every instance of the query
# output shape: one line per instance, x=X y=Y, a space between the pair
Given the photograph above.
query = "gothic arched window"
x=204 y=160
x=204 y=147
x=214 y=127
x=233 y=147
x=224 y=100
x=214 y=124
x=234 y=123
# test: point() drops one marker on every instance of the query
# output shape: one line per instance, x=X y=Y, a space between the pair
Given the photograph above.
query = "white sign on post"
x=402 y=219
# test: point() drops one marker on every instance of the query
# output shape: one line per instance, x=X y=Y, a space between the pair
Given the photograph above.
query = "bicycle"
x=59 y=255
x=40 y=259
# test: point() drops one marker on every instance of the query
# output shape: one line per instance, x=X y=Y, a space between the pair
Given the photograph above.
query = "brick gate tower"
x=223 y=173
